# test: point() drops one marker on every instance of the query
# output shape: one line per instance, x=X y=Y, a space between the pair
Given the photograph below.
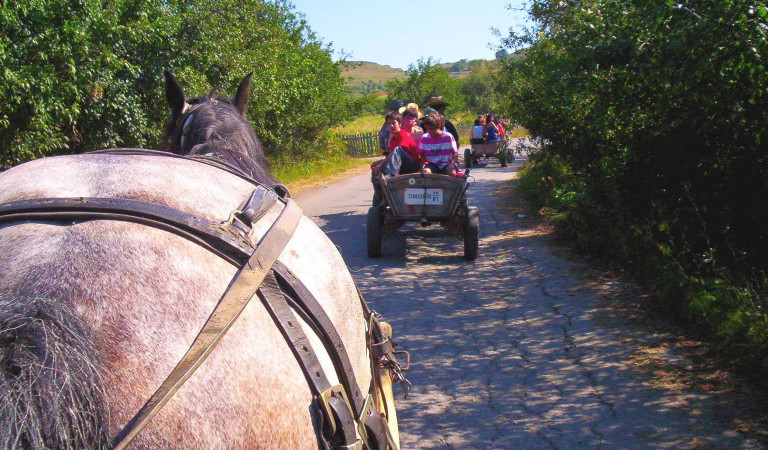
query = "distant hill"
x=364 y=77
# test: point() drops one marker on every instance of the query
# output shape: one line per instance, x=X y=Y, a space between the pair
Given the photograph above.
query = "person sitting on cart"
x=384 y=136
x=439 y=105
x=404 y=155
x=411 y=115
x=478 y=131
x=491 y=130
x=438 y=147
x=497 y=122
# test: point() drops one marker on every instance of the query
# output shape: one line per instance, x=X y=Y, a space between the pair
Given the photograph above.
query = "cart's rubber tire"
x=378 y=195
x=373 y=232
x=503 y=159
x=467 y=158
x=471 y=233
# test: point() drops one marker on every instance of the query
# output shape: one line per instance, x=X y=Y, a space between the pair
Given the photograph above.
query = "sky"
x=399 y=33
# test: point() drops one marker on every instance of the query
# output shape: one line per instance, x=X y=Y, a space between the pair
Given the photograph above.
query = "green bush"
x=657 y=109
x=84 y=74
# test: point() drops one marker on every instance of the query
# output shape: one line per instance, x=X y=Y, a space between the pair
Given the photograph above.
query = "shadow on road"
x=514 y=349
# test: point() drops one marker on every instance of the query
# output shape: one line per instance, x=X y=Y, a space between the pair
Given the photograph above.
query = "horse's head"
x=215 y=126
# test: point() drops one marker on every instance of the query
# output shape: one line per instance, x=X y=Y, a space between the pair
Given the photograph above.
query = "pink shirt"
x=438 y=150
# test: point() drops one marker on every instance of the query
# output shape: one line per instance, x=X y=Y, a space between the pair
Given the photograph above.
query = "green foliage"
x=479 y=88
x=64 y=60
x=658 y=111
x=366 y=104
x=83 y=74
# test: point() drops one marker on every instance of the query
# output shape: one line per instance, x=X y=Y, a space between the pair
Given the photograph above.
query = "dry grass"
x=364 y=124
x=314 y=173
x=367 y=71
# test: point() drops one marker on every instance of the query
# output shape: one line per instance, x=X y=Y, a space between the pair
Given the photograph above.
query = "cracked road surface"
x=516 y=349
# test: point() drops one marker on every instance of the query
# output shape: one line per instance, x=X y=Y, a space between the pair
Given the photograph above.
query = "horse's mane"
x=216 y=126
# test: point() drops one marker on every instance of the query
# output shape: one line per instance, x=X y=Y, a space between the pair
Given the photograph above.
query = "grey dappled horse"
x=94 y=314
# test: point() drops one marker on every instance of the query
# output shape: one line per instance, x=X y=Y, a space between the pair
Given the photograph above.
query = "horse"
x=97 y=309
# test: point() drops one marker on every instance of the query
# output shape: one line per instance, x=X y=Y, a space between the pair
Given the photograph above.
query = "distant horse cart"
x=426 y=199
x=497 y=150
x=182 y=300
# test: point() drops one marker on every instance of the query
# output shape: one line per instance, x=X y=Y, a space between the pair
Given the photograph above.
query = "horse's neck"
x=243 y=162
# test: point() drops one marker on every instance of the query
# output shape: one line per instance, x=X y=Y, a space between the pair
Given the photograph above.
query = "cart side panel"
x=486 y=149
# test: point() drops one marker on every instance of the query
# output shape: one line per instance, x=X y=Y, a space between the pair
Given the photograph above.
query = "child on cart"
x=438 y=148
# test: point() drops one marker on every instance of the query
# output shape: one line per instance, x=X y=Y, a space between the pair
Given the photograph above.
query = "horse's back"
x=143 y=294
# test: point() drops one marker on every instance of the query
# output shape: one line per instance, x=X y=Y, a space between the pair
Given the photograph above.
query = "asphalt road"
x=520 y=348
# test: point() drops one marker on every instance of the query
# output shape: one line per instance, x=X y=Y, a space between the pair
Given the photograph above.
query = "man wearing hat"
x=439 y=105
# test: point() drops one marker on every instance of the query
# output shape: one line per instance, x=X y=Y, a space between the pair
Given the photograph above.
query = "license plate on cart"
x=423 y=196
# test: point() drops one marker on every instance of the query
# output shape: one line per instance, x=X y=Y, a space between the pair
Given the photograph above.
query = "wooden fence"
x=361 y=145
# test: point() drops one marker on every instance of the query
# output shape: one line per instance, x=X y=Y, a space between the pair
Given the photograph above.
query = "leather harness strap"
x=208 y=234
x=340 y=409
x=323 y=327
x=331 y=402
x=232 y=303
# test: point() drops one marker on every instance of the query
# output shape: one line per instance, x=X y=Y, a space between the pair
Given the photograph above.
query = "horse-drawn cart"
x=496 y=149
x=428 y=199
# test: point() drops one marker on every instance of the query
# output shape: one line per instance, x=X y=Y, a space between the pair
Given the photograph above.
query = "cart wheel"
x=467 y=158
x=503 y=159
x=471 y=233
x=377 y=194
x=373 y=232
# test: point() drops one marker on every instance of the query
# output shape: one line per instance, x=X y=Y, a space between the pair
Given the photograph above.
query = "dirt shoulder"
x=667 y=356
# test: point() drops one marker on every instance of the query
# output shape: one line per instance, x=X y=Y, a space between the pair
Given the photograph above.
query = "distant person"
x=438 y=147
x=502 y=132
x=411 y=115
x=503 y=124
x=394 y=105
x=384 y=139
x=491 y=130
x=439 y=105
x=478 y=131
x=427 y=112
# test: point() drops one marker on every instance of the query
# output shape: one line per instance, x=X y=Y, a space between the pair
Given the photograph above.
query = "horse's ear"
x=174 y=94
x=243 y=94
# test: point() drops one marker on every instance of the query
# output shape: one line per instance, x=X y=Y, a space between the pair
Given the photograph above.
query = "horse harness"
x=340 y=413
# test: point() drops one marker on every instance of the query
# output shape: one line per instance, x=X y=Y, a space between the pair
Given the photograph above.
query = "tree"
x=86 y=74
x=479 y=88
x=426 y=79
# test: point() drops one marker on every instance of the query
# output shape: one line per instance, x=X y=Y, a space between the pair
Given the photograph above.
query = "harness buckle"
x=358 y=445
x=340 y=419
x=337 y=392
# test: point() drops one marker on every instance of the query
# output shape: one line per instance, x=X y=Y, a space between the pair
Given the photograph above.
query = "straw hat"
x=413 y=107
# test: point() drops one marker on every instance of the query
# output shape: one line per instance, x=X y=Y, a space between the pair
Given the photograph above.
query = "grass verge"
x=730 y=314
x=307 y=174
